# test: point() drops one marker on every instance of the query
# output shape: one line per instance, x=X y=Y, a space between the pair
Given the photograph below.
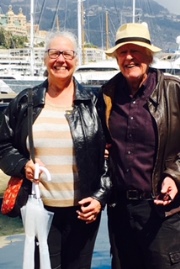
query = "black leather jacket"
x=164 y=106
x=86 y=130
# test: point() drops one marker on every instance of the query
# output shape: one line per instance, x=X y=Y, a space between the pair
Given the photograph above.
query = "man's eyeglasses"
x=67 y=54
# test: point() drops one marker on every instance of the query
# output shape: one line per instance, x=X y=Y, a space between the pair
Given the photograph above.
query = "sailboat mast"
x=107 y=30
x=32 y=38
x=134 y=8
x=81 y=38
x=57 y=23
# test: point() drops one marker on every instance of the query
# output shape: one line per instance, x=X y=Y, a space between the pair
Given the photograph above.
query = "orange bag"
x=10 y=195
x=15 y=196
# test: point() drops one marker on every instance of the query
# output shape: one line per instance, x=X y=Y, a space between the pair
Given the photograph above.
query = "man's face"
x=133 y=61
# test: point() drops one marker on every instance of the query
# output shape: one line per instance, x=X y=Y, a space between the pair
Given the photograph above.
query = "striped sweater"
x=54 y=147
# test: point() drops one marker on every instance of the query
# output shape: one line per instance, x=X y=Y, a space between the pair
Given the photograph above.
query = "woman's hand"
x=30 y=169
x=89 y=209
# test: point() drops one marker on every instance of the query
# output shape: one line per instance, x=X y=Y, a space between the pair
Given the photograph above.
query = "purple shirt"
x=133 y=133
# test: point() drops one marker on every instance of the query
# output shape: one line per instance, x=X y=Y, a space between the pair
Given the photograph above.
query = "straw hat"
x=133 y=33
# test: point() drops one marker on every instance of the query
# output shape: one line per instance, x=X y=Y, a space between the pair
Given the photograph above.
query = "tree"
x=2 y=37
x=10 y=41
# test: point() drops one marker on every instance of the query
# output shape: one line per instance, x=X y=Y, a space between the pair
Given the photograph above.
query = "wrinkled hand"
x=168 y=192
x=89 y=209
x=30 y=169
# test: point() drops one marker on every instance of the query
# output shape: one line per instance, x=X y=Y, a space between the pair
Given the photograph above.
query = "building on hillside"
x=39 y=35
x=18 y=25
x=15 y=23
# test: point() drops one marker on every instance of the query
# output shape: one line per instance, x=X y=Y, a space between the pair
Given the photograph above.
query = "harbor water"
x=19 y=85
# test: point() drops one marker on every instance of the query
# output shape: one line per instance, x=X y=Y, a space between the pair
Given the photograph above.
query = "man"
x=143 y=118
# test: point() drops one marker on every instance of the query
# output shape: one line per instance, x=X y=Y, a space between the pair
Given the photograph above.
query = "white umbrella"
x=37 y=221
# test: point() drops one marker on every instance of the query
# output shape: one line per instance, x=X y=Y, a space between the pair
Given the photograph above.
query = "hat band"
x=128 y=39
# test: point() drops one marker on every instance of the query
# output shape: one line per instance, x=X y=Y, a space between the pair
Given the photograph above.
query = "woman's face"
x=133 y=62
x=61 y=61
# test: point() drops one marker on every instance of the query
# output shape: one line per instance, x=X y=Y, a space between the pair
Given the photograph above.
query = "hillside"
x=164 y=27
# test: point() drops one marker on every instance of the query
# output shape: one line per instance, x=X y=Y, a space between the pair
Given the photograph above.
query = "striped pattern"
x=54 y=147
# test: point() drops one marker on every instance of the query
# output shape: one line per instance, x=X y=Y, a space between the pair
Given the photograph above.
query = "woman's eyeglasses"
x=67 y=54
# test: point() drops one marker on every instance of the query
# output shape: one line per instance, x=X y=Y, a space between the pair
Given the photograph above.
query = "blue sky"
x=172 y=5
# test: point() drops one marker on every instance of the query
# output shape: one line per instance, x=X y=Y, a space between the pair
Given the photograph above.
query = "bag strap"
x=30 y=123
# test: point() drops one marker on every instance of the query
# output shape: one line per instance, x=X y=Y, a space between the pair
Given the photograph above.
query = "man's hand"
x=168 y=192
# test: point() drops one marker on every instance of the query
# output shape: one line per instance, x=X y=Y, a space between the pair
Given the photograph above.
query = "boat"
x=17 y=62
x=15 y=69
x=6 y=95
x=168 y=64
x=96 y=73
x=4 y=88
x=173 y=59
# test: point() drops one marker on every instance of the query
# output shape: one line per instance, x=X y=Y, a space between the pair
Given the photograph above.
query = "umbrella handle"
x=38 y=169
x=35 y=187
x=45 y=170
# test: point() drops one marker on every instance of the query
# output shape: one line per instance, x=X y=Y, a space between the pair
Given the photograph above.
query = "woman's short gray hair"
x=64 y=34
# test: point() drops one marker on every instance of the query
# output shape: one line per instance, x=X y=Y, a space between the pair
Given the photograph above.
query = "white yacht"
x=96 y=73
x=16 y=62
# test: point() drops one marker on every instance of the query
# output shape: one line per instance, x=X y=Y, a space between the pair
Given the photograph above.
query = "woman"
x=69 y=142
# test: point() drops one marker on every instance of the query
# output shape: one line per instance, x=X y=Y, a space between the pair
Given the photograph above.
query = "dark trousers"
x=141 y=237
x=71 y=241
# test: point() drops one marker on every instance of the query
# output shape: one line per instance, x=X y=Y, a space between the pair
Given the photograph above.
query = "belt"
x=138 y=195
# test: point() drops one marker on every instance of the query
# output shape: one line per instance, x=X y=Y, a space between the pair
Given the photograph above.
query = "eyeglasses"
x=67 y=54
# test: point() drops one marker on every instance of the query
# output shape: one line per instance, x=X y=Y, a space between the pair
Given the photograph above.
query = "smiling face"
x=134 y=61
x=60 y=68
